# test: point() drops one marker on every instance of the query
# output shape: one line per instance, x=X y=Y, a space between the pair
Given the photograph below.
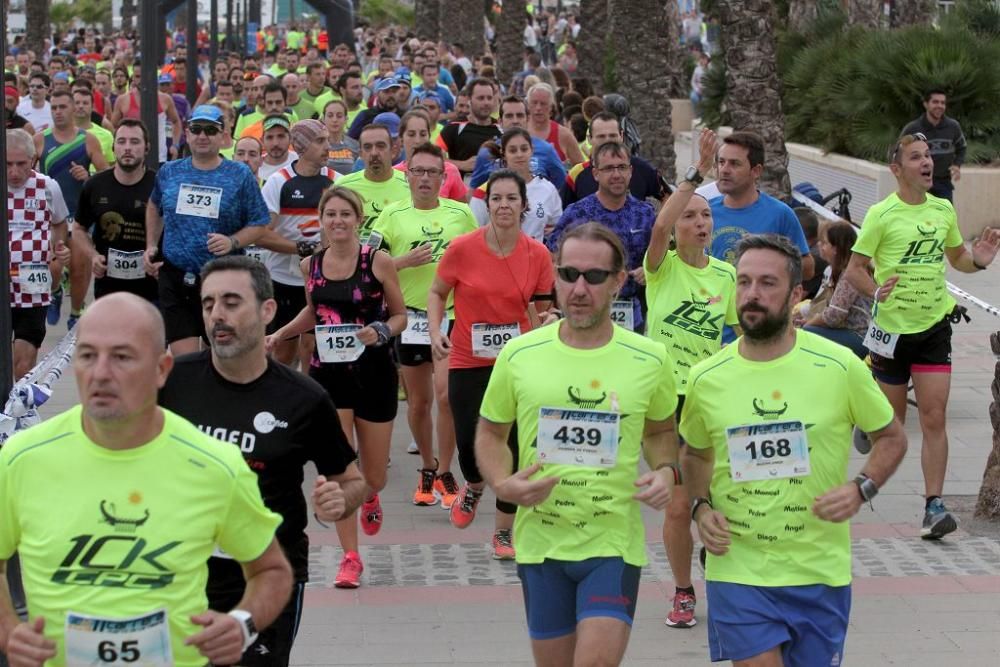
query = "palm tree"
x=36 y=17
x=462 y=21
x=864 y=13
x=426 y=14
x=510 y=40
x=988 y=504
x=591 y=44
x=912 y=12
x=801 y=14
x=753 y=88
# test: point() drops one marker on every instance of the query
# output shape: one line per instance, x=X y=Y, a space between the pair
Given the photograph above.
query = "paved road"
x=432 y=594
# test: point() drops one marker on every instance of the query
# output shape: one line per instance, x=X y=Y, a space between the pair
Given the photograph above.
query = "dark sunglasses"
x=592 y=276
x=207 y=130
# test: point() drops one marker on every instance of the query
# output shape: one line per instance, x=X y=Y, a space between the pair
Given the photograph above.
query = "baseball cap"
x=305 y=132
x=10 y=91
x=276 y=120
x=61 y=76
x=390 y=120
x=206 y=113
x=386 y=83
x=166 y=78
x=428 y=95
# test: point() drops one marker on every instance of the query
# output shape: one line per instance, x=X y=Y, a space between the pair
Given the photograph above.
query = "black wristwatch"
x=866 y=487
x=693 y=175
x=698 y=502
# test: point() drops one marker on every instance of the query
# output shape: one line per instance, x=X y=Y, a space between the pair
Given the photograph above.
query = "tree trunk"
x=802 y=14
x=865 y=13
x=912 y=12
x=988 y=505
x=510 y=40
x=426 y=14
x=128 y=15
x=753 y=88
x=652 y=37
x=590 y=43
x=462 y=21
x=36 y=16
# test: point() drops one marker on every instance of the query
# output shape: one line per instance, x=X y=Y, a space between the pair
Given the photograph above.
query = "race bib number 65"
x=140 y=640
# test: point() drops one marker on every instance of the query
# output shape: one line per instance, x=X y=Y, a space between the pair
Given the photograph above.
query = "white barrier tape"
x=35 y=388
x=833 y=217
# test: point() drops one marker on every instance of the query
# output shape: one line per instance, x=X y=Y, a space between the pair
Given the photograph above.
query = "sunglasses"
x=207 y=130
x=906 y=140
x=592 y=276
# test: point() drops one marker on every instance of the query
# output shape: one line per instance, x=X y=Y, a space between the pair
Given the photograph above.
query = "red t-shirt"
x=490 y=289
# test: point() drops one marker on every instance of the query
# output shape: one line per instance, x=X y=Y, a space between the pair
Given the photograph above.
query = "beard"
x=131 y=165
x=769 y=327
x=237 y=345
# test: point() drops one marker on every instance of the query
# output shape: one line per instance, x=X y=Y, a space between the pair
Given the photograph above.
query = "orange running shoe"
x=446 y=488
x=424 y=495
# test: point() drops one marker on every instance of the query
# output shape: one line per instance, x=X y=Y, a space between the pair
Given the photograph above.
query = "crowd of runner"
x=334 y=229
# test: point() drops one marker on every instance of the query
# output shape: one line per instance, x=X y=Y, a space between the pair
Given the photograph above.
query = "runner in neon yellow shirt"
x=152 y=496
x=908 y=236
x=379 y=184
x=690 y=296
x=416 y=233
x=768 y=425
x=586 y=396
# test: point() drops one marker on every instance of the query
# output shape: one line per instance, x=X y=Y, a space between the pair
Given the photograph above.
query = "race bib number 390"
x=199 y=200
x=881 y=342
x=578 y=437
x=140 y=640
x=774 y=450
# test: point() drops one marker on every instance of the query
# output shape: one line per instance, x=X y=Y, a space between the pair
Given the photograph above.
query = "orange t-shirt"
x=491 y=290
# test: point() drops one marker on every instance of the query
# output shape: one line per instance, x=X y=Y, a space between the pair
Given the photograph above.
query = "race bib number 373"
x=199 y=200
x=139 y=640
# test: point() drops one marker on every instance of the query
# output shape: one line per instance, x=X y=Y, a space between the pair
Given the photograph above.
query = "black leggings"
x=466 y=388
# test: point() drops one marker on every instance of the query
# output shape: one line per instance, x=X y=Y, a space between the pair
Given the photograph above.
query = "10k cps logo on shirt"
x=265 y=422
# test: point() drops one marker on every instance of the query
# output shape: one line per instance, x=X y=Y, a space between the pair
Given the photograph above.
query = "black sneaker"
x=938 y=521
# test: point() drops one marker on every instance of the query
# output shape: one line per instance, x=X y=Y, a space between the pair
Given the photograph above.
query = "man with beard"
x=768 y=425
x=630 y=219
x=378 y=183
x=276 y=142
x=386 y=92
x=544 y=161
x=279 y=420
x=110 y=226
x=463 y=140
x=588 y=398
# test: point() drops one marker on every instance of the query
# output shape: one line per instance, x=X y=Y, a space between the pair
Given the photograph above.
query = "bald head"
x=114 y=309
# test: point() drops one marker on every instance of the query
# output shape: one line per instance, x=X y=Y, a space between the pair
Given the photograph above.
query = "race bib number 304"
x=140 y=640
x=125 y=265
x=199 y=200
x=578 y=437
x=774 y=450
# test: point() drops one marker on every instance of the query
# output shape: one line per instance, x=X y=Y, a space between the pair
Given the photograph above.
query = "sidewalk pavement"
x=432 y=595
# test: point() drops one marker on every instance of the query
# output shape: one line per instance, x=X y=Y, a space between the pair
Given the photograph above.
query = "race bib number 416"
x=140 y=640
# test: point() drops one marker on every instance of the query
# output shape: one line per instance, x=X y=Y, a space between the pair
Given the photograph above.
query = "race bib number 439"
x=578 y=437
x=140 y=640
x=767 y=451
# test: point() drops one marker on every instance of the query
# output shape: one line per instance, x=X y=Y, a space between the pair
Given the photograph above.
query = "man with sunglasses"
x=908 y=236
x=629 y=218
x=204 y=206
x=35 y=107
x=588 y=397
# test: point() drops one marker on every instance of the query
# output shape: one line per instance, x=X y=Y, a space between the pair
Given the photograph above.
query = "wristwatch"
x=866 y=487
x=693 y=175
x=698 y=502
x=247 y=626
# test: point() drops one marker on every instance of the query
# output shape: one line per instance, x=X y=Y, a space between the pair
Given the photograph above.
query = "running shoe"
x=371 y=516
x=862 y=442
x=682 y=615
x=424 y=495
x=503 y=544
x=55 y=307
x=938 y=521
x=349 y=575
x=72 y=319
x=412 y=448
x=463 y=511
x=446 y=488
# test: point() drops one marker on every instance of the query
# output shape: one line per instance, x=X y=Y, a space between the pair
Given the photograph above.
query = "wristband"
x=674 y=468
x=978 y=265
x=236 y=243
x=698 y=502
x=875 y=294
x=383 y=331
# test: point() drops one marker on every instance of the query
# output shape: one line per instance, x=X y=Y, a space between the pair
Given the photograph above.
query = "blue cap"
x=402 y=71
x=206 y=113
x=166 y=78
x=61 y=76
x=386 y=83
x=429 y=95
x=390 y=120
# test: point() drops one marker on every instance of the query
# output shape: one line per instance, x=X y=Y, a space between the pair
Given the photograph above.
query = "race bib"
x=125 y=265
x=622 y=314
x=578 y=437
x=774 y=450
x=140 y=640
x=881 y=342
x=489 y=339
x=255 y=252
x=338 y=343
x=417 y=331
x=199 y=200
x=34 y=278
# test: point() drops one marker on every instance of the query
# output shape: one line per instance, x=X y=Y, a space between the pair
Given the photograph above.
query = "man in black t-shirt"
x=110 y=224
x=462 y=141
x=280 y=419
